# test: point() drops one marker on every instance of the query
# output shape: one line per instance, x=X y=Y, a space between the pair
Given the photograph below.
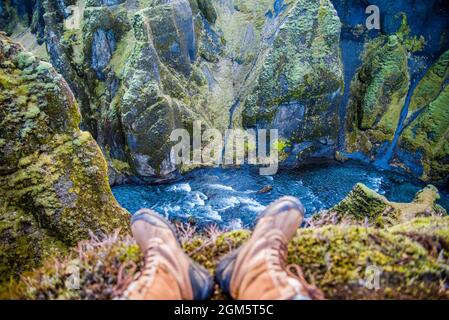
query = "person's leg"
x=168 y=273
x=258 y=270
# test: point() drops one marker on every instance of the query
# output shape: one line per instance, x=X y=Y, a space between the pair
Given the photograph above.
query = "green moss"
x=378 y=93
x=53 y=179
x=428 y=134
x=364 y=206
x=120 y=166
x=335 y=258
x=431 y=84
x=122 y=53
x=412 y=43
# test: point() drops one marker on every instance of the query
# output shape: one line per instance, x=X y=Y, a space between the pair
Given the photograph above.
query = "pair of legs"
x=256 y=271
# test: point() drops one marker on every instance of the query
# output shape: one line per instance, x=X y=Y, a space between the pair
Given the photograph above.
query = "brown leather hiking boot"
x=168 y=273
x=258 y=271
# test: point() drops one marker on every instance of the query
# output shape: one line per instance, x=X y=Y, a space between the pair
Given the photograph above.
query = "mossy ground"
x=338 y=259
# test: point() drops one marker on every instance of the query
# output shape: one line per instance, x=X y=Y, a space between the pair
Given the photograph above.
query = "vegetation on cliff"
x=53 y=177
x=378 y=94
x=410 y=259
x=427 y=126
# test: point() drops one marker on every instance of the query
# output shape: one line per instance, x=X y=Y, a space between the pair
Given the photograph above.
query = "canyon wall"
x=141 y=68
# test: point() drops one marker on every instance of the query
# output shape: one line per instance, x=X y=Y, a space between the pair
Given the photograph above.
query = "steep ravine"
x=239 y=63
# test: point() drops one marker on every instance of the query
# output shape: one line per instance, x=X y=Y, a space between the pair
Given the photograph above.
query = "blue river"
x=230 y=199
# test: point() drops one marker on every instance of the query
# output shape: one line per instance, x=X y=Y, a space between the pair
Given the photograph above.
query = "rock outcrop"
x=53 y=178
x=141 y=69
x=297 y=82
x=424 y=144
x=366 y=207
x=378 y=94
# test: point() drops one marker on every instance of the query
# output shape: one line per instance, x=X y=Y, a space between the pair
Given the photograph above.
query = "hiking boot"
x=258 y=270
x=168 y=273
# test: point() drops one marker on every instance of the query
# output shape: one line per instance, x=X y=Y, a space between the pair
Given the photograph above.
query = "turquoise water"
x=230 y=199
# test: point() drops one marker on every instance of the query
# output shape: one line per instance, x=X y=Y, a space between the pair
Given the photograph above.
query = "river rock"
x=265 y=190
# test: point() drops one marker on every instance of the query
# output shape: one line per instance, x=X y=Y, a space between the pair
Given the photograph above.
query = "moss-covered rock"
x=346 y=262
x=364 y=206
x=298 y=81
x=378 y=93
x=424 y=144
x=193 y=60
x=53 y=178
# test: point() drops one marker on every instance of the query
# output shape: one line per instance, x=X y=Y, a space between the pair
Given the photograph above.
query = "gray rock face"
x=166 y=63
x=298 y=85
x=103 y=46
x=173 y=37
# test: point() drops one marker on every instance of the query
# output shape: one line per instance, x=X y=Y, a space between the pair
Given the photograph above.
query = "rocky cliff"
x=140 y=69
x=54 y=187
x=352 y=258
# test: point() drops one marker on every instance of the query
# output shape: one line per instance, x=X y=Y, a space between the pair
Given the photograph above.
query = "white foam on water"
x=220 y=187
x=228 y=203
x=212 y=214
x=235 y=224
x=377 y=184
x=166 y=212
x=199 y=198
x=251 y=204
x=314 y=200
x=180 y=187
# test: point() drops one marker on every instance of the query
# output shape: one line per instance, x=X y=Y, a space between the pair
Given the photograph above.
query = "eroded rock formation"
x=53 y=178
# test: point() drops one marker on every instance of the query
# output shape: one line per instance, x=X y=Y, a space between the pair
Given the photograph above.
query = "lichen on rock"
x=378 y=93
x=407 y=260
x=53 y=178
x=364 y=206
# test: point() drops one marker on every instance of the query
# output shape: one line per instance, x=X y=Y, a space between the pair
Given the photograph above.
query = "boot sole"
x=225 y=267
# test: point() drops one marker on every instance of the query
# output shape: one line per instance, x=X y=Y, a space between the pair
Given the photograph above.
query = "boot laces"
x=151 y=263
x=151 y=259
x=277 y=261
